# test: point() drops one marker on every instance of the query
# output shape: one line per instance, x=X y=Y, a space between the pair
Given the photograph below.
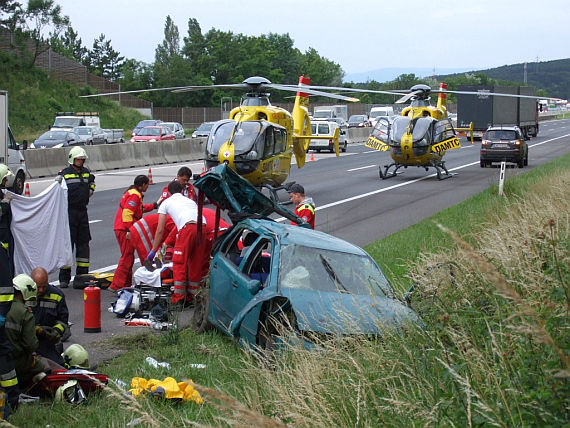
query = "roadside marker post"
x=502 y=177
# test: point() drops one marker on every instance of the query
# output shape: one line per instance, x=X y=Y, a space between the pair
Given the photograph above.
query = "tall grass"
x=494 y=350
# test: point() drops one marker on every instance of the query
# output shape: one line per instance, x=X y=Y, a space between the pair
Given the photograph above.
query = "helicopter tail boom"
x=442 y=98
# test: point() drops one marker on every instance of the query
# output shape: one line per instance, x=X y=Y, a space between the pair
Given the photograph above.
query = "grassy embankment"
x=492 y=285
x=35 y=98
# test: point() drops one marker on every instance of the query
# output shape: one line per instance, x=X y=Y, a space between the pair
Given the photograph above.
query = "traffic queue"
x=34 y=317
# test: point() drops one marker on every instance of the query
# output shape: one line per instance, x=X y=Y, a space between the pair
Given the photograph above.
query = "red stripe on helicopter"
x=303 y=81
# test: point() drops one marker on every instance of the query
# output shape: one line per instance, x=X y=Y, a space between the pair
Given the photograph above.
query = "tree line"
x=216 y=57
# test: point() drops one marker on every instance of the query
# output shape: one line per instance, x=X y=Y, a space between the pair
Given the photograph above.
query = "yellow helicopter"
x=258 y=140
x=420 y=136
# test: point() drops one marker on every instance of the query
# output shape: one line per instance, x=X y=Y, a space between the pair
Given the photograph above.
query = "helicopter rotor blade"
x=200 y=88
x=495 y=94
x=407 y=97
x=310 y=91
x=368 y=91
x=105 y=94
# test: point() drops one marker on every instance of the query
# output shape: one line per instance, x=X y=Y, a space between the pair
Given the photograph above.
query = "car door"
x=231 y=286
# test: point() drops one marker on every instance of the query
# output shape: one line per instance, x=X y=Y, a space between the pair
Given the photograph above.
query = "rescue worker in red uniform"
x=304 y=206
x=183 y=177
x=80 y=186
x=143 y=231
x=211 y=235
x=131 y=209
x=187 y=268
x=8 y=378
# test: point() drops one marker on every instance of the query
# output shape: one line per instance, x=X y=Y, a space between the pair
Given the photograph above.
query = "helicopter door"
x=444 y=137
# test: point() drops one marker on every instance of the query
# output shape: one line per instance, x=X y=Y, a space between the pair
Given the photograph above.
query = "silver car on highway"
x=90 y=135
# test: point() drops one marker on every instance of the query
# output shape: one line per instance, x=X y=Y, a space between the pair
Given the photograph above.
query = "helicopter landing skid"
x=441 y=166
x=273 y=191
x=384 y=175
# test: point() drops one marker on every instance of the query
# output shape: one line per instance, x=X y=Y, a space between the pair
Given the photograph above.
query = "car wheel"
x=483 y=163
x=18 y=186
x=526 y=158
x=90 y=142
x=200 y=322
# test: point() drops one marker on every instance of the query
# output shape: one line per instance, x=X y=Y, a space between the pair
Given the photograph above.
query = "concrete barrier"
x=48 y=162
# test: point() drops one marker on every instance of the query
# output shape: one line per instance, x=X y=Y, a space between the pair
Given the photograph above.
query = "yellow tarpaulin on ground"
x=167 y=388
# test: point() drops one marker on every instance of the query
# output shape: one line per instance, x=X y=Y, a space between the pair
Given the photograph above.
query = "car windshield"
x=332 y=271
x=244 y=137
x=150 y=132
x=357 y=118
x=144 y=123
x=54 y=135
x=377 y=113
x=82 y=131
x=501 y=134
x=64 y=122
x=205 y=127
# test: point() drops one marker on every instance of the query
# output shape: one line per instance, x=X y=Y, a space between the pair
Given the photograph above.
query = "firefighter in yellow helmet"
x=8 y=379
x=80 y=186
x=75 y=356
x=21 y=330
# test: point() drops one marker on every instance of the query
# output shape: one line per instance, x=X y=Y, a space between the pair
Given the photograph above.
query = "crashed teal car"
x=265 y=272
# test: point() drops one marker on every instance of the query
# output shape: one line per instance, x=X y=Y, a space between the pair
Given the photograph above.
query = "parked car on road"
x=358 y=120
x=54 y=139
x=504 y=143
x=91 y=135
x=327 y=127
x=290 y=278
x=177 y=129
x=153 y=133
x=203 y=131
x=143 y=123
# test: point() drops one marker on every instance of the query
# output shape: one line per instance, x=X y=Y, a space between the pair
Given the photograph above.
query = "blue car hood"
x=341 y=313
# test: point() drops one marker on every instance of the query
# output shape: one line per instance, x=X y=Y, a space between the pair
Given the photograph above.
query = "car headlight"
x=132 y=140
x=152 y=140
x=57 y=146
x=193 y=135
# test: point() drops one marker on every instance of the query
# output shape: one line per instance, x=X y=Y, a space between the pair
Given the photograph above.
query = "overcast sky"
x=359 y=35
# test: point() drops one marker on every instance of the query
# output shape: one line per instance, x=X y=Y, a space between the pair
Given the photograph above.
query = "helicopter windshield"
x=399 y=128
x=421 y=126
x=244 y=138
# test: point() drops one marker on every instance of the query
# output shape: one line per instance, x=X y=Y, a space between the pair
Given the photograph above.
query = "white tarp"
x=40 y=226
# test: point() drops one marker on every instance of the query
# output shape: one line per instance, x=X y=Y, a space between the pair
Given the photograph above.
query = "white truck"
x=66 y=121
x=10 y=151
x=328 y=112
x=377 y=112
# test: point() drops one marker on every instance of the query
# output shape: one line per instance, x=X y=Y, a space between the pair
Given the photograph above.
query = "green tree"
x=41 y=15
x=321 y=70
x=194 y=48
x=69 y=44
x=11 y=15
x=104 y=61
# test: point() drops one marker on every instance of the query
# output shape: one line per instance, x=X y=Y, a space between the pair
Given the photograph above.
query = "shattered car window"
x=324 y=270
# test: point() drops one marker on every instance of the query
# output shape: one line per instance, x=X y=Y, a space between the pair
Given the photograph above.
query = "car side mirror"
x=254 y=286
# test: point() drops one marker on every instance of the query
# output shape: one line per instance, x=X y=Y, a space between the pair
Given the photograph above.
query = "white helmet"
x=26 y=285
x=77 y=153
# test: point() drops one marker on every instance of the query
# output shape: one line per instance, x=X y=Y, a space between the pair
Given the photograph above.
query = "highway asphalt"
x=352 y=203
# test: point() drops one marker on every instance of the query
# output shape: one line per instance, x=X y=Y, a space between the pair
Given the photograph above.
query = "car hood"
x=225 y=187
x=341 y=313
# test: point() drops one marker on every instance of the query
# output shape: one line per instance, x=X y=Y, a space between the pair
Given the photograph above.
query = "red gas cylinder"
x=92 y=310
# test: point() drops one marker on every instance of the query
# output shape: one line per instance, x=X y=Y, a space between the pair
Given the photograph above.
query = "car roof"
x=503 y=128
x=292 y=234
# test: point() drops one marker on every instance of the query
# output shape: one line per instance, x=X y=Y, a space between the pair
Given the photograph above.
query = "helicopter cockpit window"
x=244 y=138
x=399 y=128
x=381 y=129
x=421 y=128
x=269 y=143
x=443 y=130
x=255 y=101
x=280 y=140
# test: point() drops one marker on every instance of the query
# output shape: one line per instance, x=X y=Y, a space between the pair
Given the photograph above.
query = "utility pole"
x=525 y=79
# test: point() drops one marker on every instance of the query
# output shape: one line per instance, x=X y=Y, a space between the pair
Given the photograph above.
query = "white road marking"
x=94 y=221
x=362 y=167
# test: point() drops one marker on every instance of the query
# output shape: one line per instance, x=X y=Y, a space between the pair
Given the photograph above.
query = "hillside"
x=552 y=76
x=34 y=99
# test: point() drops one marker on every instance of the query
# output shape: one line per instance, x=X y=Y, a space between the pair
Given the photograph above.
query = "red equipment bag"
x=88 y=380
